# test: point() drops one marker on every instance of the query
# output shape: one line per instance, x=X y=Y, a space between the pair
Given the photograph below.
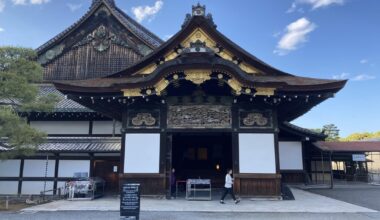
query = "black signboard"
x=130 y=201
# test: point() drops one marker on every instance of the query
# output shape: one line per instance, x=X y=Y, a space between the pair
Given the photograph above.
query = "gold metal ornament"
x=235 y=85
x=161 y=86
x=265 y=91
x=131 y=92
x=198 y=76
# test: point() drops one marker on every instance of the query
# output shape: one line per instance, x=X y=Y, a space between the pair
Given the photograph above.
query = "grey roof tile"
x=77 y=144
x=64 y=105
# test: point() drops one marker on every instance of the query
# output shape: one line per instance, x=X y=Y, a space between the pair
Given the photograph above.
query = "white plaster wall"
x=256 y=153
x=35 y=187
x=36 y=168
x=67 y=168
x=62 y=127
x=8 y=187
x=105 y=127
x=142 y=153
x=10 y=168
x=290 y=155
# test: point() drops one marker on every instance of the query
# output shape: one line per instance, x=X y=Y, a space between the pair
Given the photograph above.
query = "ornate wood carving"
x=143 y=119
x=51 y=54
x=199 y=116
x=101 y=39
x=198 y=76
x=255 y=119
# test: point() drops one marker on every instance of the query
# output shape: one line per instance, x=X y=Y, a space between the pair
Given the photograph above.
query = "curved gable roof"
x=206 y=25
x=134 y=27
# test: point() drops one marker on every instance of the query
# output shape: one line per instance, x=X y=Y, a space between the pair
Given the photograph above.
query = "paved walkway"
x=95 y=215
x=304 y=202
x=359 y=194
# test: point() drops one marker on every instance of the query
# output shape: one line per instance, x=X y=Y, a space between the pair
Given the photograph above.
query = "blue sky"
x=315 y=38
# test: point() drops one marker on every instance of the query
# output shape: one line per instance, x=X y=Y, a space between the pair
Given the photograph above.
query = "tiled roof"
x=304 y=131
x=64 y=104
x=79 y=144
x=354 y=146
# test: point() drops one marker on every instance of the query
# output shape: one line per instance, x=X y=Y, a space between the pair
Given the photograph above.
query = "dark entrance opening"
x=108 y=171
x=205 y=156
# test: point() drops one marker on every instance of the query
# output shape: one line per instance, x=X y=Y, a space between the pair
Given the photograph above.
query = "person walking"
x=229 y=181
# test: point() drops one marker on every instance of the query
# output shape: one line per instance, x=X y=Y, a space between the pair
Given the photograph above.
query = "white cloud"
x=314 y=4
x=38 y=2
x=363 y=61
x=358 y=77
x=73 y=7
x=33 y=2
x=363 y=77
x=341 y=76
x=295 y=34
x=143 y=12
x=2 y=5
x=1 y=29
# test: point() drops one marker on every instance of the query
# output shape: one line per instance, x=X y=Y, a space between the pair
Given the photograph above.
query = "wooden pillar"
x=331 y=173
x=56 y=168
x=235 y=146
x=20 y=176
x=92 y=164
x=90 y=127
x=123 y=134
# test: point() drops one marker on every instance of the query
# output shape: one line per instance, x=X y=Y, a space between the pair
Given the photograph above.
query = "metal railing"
x=56 y=194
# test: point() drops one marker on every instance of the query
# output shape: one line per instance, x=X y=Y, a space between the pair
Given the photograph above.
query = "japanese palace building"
x=133 y=107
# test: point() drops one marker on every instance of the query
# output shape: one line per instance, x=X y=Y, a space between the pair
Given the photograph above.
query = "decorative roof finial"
x=110 y=2
x=199 y=10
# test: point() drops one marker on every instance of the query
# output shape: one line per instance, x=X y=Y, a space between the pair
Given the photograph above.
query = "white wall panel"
x=36 y=168
x=291 y=155
x=10 y=168
x=8 y=187
x=67 y=168
x=35 y=187
x=256 y=153
x=62 y=127
x=105 y=127
x=142 y=153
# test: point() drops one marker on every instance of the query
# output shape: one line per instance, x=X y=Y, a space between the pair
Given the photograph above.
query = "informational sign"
x=130 y=201
x=358 y=157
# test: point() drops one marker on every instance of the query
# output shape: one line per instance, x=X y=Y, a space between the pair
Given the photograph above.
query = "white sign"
x=358 y=157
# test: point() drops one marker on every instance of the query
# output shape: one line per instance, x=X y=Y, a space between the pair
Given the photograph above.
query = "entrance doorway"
x=108 y=171
x=202 y=155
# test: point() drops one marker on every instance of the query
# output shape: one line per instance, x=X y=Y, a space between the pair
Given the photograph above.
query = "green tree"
x=19 y=73
x=331 y=131
x=361 y=136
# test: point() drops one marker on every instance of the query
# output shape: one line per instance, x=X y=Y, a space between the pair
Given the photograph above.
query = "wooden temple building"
x=133 y=107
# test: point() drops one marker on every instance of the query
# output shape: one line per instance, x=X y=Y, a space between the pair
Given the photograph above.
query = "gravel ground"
x=84 y=215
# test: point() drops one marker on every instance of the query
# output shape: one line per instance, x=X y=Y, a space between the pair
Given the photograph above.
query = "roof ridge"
x=115 y=10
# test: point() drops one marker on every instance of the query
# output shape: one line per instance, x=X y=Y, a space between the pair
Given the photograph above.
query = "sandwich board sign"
x=130 y=201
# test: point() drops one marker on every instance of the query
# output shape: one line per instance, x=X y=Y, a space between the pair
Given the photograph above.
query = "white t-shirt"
x=229 y=181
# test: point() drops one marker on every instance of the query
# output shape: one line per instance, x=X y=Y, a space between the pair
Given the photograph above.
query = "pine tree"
x=19 y=73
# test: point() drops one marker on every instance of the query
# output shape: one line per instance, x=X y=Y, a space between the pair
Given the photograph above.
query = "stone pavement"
x=359 y=194
x=110 y=215
x=304 y=202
